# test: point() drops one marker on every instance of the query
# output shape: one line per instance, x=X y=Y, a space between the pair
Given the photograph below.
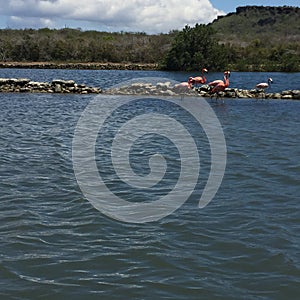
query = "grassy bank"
x=80 y=65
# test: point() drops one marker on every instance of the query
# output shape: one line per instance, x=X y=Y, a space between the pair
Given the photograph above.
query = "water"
x=107 y=78
x=244 y=245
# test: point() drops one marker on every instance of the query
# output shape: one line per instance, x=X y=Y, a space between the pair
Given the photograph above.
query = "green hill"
x=261 y=38
x=269 y=24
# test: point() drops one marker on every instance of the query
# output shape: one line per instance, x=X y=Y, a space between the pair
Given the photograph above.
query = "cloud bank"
x=149 y=16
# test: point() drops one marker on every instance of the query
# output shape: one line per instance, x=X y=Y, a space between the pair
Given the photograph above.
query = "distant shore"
x=79 y=65
x=109 y=66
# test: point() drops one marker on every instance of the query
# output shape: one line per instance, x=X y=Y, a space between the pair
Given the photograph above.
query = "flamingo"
x=220 y=86
x=200 y=79
x=264 y=85
x=183 y=87
x=216 y=82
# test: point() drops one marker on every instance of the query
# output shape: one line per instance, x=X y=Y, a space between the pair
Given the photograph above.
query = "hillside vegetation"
x=74 y=45
x=262 y=38
x=254 y=38
x=268 y=24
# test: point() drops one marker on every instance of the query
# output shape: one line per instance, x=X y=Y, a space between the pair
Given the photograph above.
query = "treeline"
x=199 y=46
x=189 y=49
x=261 y=56
x=74 y=45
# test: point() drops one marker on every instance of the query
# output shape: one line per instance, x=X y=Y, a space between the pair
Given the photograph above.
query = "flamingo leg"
x=219 y=97
x=214 y=95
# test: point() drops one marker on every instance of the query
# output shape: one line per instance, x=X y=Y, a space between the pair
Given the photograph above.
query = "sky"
x=230 y=5
x=150 y=16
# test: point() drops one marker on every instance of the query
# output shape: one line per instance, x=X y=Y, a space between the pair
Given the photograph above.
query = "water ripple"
x=54 y=244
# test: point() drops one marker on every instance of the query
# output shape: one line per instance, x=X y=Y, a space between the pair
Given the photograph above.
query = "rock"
x=63 y=82
x=34 y=83
x=25 y=89
x=57 y=88
x=245 y=94
x=203 y=94
x=284 y=93
x=69 y=83
x=204 y=88
x=11 y=80
x=276 y=96
x=163 y=85
x=22 y=81
x=230 y=92
x=4 y=81
x=296 y=94
x=230 y=95
x=268 y=96
x=286 y=97
x=96 y=90
x=57 y=81
x=168 y=93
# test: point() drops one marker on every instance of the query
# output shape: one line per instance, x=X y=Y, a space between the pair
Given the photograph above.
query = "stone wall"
x=253 y=93
x=159 y=89
x=166 y=89
x=56 y=86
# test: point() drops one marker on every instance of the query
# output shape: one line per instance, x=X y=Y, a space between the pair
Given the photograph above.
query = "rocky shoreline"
x=23 y=85
x=253 y=93
x=167 y=89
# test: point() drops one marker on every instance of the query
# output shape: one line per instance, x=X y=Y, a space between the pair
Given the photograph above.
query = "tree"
x=194 y=48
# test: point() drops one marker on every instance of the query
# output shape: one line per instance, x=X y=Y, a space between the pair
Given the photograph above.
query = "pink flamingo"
x=183 y=87
x=185 y=84
x=216 y=82
x=220 y=86
x=200 y=79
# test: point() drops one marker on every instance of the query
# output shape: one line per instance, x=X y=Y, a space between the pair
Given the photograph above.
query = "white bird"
x=264 y=85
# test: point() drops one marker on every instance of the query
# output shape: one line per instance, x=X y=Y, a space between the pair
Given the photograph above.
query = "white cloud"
x=151 y=16
x=18 y=22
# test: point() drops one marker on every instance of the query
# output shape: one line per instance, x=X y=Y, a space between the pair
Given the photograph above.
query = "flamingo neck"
x=226 y=81
x=203 y=76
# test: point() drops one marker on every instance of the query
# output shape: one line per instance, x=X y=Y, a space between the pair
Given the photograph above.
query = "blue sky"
x=150 y=16
x=230 y=5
